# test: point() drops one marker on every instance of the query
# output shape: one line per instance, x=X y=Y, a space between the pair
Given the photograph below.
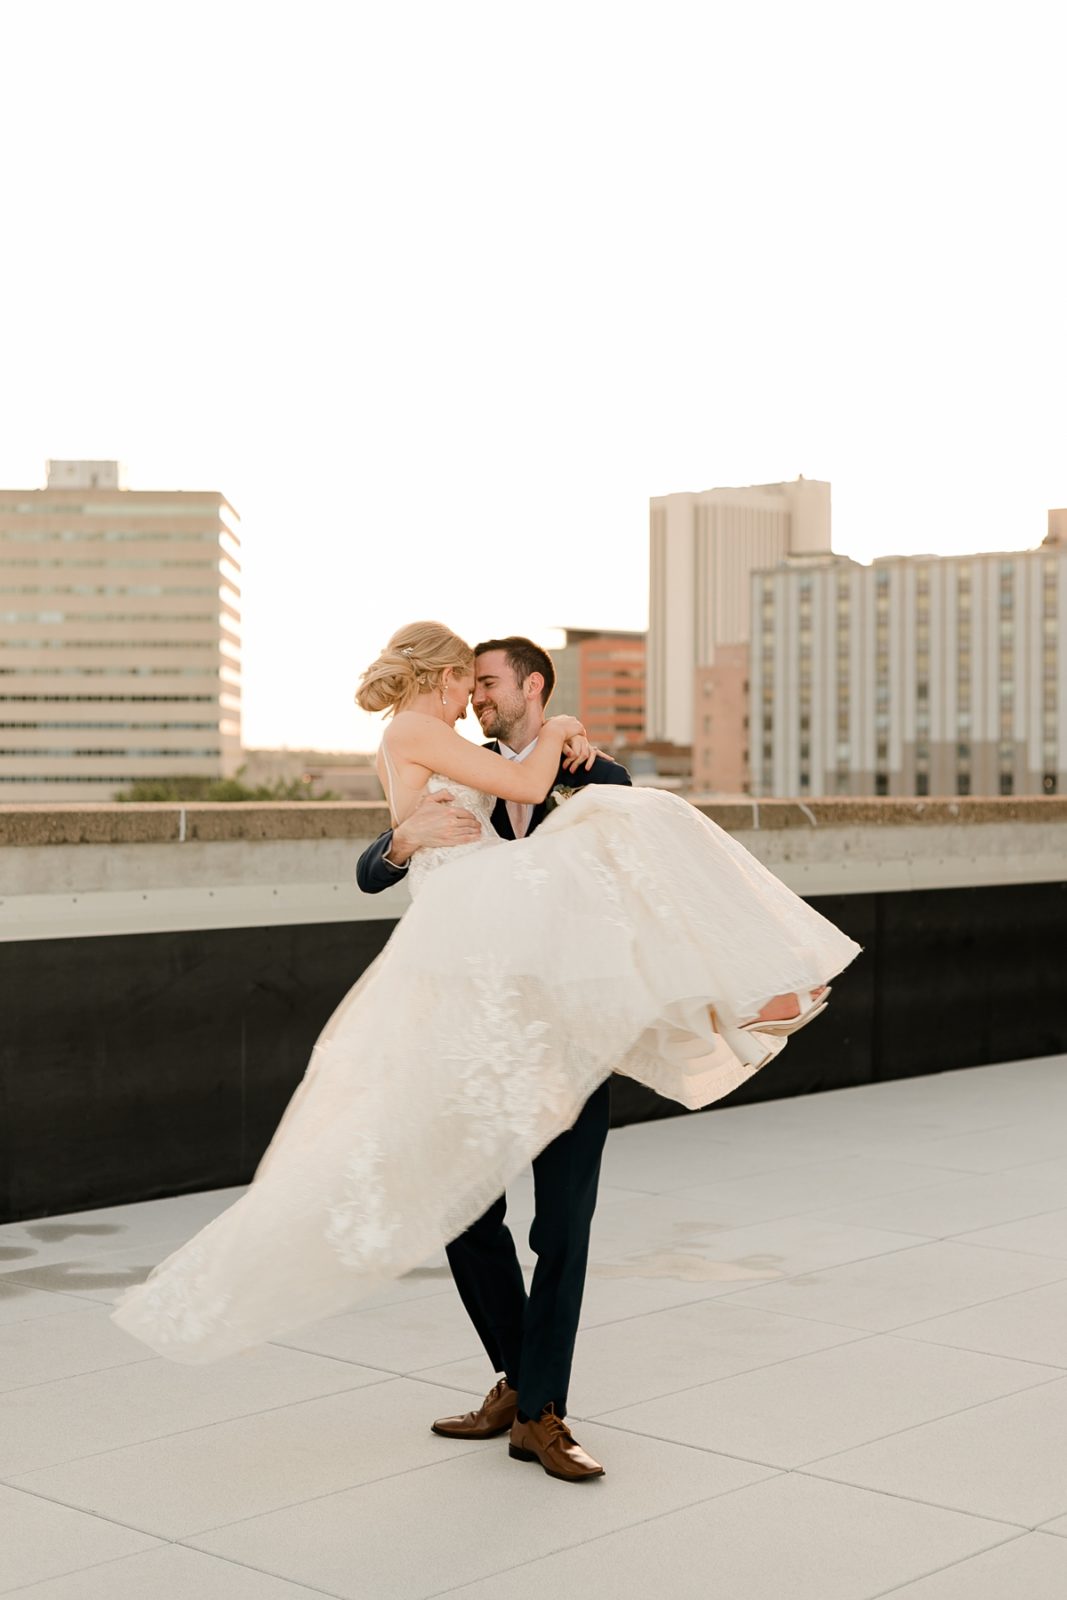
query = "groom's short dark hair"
x=523 y=657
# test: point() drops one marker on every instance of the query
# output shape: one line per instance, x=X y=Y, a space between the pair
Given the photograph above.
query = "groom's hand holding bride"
x=435 y=822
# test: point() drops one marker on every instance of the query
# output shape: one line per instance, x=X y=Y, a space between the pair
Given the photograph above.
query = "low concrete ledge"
x=164 y=868
x=203 y=821
x=208 y=822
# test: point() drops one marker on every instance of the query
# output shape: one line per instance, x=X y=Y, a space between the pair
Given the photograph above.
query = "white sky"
x=439 y=293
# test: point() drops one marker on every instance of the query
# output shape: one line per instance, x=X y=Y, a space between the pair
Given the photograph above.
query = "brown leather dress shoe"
x=550 y=1441
x=495 y=1415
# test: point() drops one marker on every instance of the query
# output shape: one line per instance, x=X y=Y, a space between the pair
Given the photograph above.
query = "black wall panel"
x=138 y=1066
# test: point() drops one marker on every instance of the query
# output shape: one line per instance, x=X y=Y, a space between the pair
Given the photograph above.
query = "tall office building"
x=600 y=677
x=917 y=675
x=120 y=648
x=703 y=550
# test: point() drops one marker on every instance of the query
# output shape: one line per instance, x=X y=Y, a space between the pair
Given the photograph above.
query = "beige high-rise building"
x=917 y=675
x=704 y=549
x=120 y=647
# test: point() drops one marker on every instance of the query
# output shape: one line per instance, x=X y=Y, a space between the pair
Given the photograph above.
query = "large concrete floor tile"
x=779 y=1539
x=20 y=1303
x=993 y=1150
x=91 y=1276
x=668 y=1161
x=667 y=1236
x=786 y=1193
x=1044 y=1235
x=144 y=1219
x=87 y=1235
x=81 y=1416
x=408 y=1288
x=471 y=1376
x=419 y=1533
x=968 y=1203
x=78 y=1340
x=166 y=1573
x=34 y=1245
x=205 y=1477
x=830 y=1400
x=622 y=1363
x=1003 y=1459
x=40 y=1540
x=1031 y=1326
x=398 y=1338
x=613 y=1295
x=891 y=1291
x=1027 y=1568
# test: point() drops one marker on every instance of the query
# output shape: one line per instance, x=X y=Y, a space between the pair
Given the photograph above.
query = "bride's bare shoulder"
x=410 y=728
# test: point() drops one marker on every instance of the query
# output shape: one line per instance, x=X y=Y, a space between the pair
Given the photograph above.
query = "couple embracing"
x=622 y=931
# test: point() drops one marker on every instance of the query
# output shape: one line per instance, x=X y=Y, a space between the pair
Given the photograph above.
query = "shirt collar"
x=515 y=755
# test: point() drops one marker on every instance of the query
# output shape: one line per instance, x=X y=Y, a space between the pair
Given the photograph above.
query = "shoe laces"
x=497 y=1391
x=554 y=1425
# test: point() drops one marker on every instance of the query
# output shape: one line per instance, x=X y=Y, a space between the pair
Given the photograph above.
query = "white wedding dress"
x=522 y=976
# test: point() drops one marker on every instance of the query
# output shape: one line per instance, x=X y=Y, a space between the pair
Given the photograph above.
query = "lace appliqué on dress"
x=524 y=870
x=359 y=1229
x=498 y=1080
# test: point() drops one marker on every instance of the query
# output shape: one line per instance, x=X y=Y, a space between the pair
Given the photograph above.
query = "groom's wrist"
x=399 y=853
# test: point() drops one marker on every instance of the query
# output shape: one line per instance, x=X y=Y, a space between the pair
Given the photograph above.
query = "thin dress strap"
x=390 y=777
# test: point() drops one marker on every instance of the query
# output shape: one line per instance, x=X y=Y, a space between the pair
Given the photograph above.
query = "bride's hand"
x=567 y=727
x=578 y=752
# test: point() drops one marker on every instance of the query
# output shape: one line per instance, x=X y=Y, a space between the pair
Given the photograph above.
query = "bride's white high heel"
x=816 y=1005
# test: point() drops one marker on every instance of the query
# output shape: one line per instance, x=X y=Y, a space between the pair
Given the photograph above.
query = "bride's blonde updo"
x=413 y=661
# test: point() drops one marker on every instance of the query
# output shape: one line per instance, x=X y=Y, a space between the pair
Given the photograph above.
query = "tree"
x=221 y=789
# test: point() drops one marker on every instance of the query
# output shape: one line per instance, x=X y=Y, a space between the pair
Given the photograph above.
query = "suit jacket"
x=374 y=873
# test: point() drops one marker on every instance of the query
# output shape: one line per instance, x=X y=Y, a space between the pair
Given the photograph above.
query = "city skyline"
x=440 y=345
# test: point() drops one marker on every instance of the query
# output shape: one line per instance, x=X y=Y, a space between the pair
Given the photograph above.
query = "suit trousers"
x=530 y=1338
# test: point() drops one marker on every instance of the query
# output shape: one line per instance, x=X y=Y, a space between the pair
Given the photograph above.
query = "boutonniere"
x=557 y=797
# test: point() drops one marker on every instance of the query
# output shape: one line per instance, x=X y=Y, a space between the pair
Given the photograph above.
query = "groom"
x=529 y=1339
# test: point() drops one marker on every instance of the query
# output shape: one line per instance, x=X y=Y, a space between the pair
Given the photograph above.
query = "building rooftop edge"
x=34 y=824
x=739 y=488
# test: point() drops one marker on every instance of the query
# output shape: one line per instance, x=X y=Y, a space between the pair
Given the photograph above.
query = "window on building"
x=881 y=783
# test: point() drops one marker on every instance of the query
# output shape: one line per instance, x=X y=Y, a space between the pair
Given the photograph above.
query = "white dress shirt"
x=519 y=812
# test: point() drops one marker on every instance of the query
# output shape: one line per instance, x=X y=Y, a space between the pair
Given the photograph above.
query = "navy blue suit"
x=529 y=1338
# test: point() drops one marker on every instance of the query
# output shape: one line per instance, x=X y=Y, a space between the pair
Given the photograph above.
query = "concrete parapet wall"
x=84 y=870
x=169 y=822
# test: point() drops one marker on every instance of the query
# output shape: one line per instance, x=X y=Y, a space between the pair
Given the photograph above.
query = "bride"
x=628 y=934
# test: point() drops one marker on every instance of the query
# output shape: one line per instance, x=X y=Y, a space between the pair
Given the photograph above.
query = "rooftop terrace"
x=824 y=1356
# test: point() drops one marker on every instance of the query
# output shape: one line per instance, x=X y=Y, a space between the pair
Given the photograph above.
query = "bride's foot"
x=788 y=1013
x=784 y=1007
